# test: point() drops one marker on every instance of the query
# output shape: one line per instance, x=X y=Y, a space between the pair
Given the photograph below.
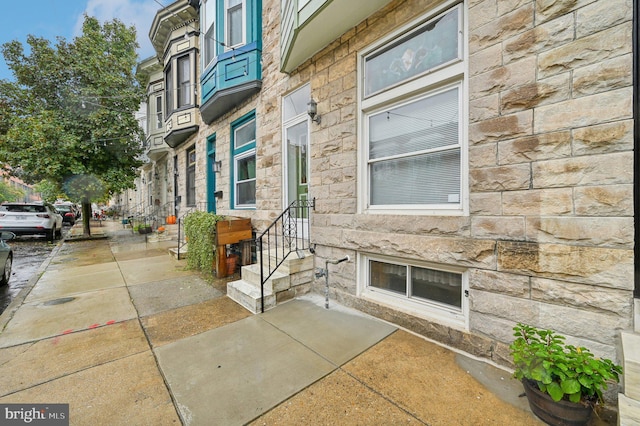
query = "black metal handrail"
x=282 y=238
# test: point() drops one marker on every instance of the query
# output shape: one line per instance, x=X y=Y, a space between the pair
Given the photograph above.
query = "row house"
x=474 y=158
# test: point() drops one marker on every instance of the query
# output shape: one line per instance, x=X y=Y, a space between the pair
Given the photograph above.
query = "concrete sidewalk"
x=122 y=332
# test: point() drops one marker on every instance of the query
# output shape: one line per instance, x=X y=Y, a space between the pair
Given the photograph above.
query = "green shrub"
x=560 y=370
x=200 y=230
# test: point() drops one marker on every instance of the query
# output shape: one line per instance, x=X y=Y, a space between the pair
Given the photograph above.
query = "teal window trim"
x=239 y=153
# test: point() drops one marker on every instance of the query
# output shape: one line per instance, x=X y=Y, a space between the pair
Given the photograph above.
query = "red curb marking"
x=94 y=326
x=111 y=322
x=67 y=331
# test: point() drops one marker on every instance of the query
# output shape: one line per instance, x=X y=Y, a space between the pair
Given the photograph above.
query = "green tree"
x=9 y=193
x=69 y=116
x=49 y=191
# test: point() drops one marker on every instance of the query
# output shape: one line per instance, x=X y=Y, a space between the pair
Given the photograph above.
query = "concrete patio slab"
x=254 y=367
x=337 y=399
x=22 y=366
x=424 y=379
x=157 y=268
x=39 y=320
x=176 y=324
x=127 y=391
x=338 y=333
x=153 y=297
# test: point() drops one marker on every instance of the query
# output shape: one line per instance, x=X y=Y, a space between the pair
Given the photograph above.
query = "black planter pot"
x=561 y=413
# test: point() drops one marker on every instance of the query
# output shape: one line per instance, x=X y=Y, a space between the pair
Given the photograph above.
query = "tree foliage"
x=49 y=191
x=9 y=193
x=69 y=116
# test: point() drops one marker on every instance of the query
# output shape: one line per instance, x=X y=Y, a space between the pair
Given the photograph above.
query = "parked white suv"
x=31 y=219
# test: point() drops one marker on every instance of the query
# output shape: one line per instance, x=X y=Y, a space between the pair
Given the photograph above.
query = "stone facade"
x=547 y=238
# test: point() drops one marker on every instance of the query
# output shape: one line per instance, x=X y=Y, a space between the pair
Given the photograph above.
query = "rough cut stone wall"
x=551 y=166
x=549 y=238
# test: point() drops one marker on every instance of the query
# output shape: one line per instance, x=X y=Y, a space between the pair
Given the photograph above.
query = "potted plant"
x=563 y=383
x=144 y=229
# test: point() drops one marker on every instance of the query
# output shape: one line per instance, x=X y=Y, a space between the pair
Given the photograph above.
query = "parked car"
x=75 y=208
x=68 y=213
x=31 y=219
x=6 y=257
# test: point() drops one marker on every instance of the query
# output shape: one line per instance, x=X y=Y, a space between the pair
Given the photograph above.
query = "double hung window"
x=244 y=162
x=184 y=81
x=168 y=83
x=159 y=121
x=207 y=18
x=234 y=34
x=413 y=119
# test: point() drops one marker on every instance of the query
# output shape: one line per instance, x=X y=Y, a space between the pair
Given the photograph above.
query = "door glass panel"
x=297 y=162
x=295 y=104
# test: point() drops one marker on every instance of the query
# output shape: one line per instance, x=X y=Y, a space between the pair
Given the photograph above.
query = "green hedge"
x=200 y=230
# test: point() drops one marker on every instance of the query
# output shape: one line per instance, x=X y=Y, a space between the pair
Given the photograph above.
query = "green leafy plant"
x=200 y=230
x=562 y=371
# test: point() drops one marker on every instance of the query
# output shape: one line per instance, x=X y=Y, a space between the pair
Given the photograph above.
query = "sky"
x=63 y=18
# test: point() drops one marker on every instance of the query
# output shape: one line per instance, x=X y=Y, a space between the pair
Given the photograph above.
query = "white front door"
x=297 y=146
x=296 y=154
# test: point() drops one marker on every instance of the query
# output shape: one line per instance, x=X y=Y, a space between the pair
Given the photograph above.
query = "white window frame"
x=431 y=310
x=184 y=89
x=288 y=123
x=206 y=36
x=241 y=155
x=445 y=76
x=226 y=25
x=159 y=112
x=236 y=181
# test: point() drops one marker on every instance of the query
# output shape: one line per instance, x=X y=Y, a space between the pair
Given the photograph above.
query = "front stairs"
x=629 y=401
x=291 y=279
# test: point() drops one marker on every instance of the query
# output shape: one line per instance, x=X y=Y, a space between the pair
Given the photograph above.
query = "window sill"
x=426 y=311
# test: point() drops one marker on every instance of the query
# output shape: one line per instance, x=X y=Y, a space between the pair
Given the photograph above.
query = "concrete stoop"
x=289 y=279
x=179 y=254
x=629 y=402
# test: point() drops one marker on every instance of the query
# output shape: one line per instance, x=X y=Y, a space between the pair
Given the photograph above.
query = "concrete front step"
x=279 y=281
x=246 y=291
x=631 y=364
x=629 y=402
x=183 y=252
x=628 y=411
x=292 y=264
x=248 y=295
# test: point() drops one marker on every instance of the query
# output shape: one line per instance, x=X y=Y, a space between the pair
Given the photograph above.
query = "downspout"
x=636 y=148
